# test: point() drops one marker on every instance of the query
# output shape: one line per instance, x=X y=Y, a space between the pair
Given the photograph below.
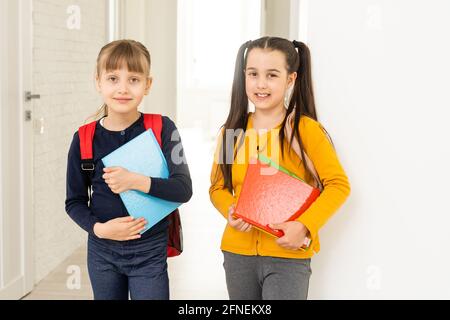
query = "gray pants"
x=266 y=278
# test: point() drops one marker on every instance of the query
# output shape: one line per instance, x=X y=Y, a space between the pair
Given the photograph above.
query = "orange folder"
x=271 y=194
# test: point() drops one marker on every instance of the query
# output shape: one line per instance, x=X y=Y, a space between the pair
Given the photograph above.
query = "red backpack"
x=153 y=121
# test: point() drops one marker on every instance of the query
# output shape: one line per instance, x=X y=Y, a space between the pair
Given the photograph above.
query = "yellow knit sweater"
x=334 y=180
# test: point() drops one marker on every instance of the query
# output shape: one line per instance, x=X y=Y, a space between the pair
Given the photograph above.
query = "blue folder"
x=144 y=156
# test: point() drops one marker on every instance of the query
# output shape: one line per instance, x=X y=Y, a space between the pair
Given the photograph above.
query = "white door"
x=16 y=267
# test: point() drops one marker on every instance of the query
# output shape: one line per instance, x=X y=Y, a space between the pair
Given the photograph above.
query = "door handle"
x=29 y=96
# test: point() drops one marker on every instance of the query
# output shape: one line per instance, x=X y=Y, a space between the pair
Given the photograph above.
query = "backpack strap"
x=154 y=121
x=175 y=238
x=86 y=135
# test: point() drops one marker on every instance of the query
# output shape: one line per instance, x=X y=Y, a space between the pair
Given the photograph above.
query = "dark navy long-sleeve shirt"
x=105 y=205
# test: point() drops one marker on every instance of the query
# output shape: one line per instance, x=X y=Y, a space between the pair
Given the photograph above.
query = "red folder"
x=270 y=194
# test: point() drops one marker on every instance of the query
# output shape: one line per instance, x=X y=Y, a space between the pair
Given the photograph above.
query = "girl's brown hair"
x=301 y=103
x=118 y=53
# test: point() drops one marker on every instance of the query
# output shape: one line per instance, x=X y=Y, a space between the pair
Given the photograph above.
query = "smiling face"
x=122 y=90
x=267 y=79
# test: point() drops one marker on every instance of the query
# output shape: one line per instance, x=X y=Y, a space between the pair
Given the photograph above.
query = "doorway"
x=16 y=209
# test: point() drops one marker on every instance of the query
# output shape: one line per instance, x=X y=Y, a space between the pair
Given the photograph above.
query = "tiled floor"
x=196 y=274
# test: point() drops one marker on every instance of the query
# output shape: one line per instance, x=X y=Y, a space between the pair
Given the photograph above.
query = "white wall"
x=63 y=66
x=381 y=72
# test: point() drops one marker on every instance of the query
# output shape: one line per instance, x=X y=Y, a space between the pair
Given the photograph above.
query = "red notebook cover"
x=272 y=198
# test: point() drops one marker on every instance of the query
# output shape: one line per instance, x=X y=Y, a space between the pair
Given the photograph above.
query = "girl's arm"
x=77 y=189
x=335 y=181
x=178 y=187
x=220 y=197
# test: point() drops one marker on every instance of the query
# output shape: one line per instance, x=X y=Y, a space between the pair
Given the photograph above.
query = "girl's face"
x=122 y=91
x=266 y=78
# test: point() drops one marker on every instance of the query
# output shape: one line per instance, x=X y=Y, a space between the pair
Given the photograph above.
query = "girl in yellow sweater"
x=275 y=75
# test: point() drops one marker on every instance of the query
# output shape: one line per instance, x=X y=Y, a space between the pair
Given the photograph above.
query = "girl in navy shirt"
x=121 y=261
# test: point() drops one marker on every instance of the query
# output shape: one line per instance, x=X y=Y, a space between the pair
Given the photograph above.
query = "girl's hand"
x=120 y=180
x=294 y=234
x=120 y=229
x=238 y=224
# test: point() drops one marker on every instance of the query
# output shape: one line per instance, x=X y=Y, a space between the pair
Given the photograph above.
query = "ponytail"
x=101 y=112
x=304 y=81
x=302 y=102
x=237 y=117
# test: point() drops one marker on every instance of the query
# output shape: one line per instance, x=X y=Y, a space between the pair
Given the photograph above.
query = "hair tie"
x=297 y=44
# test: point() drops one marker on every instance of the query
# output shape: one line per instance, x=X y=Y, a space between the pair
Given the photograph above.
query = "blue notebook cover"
x=144 y=156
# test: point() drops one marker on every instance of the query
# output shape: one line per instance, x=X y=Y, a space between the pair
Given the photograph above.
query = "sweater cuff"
x=90 y=226
x=311 y=226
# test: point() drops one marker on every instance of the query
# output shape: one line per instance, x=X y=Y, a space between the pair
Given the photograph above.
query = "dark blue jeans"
x=135 y=267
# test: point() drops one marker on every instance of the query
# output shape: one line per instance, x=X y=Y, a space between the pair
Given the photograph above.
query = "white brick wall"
x=63 y=67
